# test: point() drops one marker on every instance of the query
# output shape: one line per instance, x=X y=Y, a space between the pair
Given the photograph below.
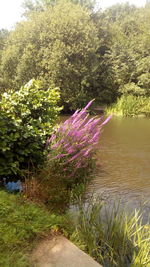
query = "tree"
x=118 y=12
x=60 y=50
x=3 y=39
x=129 y=52
x=41 y=5
x=36 y=6
x=88 y=54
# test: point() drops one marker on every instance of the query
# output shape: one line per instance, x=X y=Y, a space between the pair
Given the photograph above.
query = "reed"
x=113 y=237
x=130 y=106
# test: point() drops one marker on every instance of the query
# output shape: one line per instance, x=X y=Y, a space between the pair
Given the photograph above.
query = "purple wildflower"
x=89 y=104
x=86 y=153
x=76 y=139
x=74 y=157
x=60 y=156
x=107 y=120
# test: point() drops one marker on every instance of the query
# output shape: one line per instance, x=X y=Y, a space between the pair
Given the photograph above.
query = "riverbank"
x=112 y=238
x=130 y=106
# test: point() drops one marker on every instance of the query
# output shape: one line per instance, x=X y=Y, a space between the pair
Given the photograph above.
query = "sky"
x=11 y=10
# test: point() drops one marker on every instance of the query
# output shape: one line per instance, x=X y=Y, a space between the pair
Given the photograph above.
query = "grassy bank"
x=130 y=106
x=22 y=223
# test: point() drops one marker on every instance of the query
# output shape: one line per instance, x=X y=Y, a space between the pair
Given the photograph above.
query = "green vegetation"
x=22 y=223
x=130 y=106
x=87 y=54
x=60 y=54
x=112 y=237
x=27 y=118
x=70 y=160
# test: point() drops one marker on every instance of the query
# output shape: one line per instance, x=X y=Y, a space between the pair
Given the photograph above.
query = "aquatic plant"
x=112 y=236
x=130 y=106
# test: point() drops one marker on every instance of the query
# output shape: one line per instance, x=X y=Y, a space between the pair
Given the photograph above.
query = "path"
x=60 y=252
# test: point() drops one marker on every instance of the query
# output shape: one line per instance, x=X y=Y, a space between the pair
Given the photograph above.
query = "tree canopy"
x=87 y=53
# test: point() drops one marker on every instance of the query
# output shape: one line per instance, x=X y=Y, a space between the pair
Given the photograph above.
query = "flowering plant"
x=73 y=144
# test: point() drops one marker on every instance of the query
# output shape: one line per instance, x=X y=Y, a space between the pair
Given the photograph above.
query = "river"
x=124 y=158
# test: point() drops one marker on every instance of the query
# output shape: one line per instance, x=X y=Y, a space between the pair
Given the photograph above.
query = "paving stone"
x=60 y=252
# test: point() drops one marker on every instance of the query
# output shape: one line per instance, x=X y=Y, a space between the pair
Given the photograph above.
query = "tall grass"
x=112 y=237
x=130 y=106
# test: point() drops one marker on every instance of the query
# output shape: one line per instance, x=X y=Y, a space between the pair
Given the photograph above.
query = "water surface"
x=124 y=159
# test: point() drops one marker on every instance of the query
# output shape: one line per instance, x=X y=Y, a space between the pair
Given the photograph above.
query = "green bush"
x=27 y=117
x=132 y=89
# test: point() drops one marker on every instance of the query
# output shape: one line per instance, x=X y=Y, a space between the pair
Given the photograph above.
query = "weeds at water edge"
x=113 y=237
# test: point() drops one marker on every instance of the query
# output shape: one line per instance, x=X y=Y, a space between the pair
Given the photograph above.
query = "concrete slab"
x=60 y=252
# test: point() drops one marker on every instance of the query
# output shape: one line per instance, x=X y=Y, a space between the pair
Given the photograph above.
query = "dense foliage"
x=88 y=53
x=27 y=117
x=60 y=50
x=3 y=39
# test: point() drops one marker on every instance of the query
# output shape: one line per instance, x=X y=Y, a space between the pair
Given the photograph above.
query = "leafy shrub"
x=145 y=106
x=72 y=146
x=27 y=118
x=132 y=89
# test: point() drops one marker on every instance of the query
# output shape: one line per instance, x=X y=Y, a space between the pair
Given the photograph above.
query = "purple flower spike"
x=87 y=152
x=55 y=146
x=75 y=140
x=74 y=114
x=74 y=157
x=107 y=120
x=60 y=156
x=89 y=104
x=78 y=165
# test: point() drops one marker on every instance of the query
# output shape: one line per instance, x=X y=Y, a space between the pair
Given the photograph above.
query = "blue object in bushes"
x=14 y=186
